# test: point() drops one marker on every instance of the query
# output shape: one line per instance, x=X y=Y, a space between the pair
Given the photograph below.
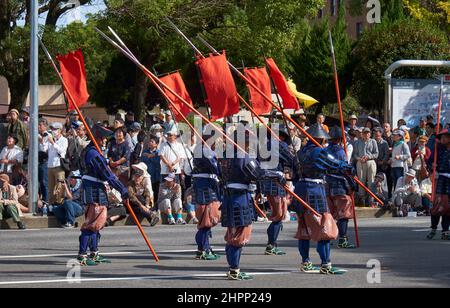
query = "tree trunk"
x=140 y=94
x=19 y=89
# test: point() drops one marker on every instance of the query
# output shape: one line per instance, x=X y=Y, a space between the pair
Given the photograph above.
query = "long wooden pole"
x=344 y=137
x=94 y=142
x=287 y=116
x=160 y=85
x=438 y=130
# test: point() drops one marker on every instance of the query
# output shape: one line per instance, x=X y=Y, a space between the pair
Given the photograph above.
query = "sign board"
x=416 y=98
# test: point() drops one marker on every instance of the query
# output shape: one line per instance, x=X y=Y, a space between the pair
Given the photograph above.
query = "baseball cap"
x=56 y=125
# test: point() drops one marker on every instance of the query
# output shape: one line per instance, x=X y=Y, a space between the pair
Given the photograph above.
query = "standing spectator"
x=420 y=155
x=407 y=193
x=136 y=155
x=365 y=153
x=188 y=162
x=129 y=120
x=152 y=159
x=134 y=130
x=172 y=154
x=157 y=131
x=71 y=207
x=11 y=159
x=17 y=128
x=431 y=134
x=169 y=200
x=400 y=156
x=9 y=202
x=387 y=135
x=169 y=124
x=296 y=141
x=77 y=141
x=141 y=194
x=321 y=121
x=383 y=152
x=25 y=116
x=43 y=159
x=407 y=138
x=57 y=149
x=118 y=155
x=352 y=123
x=418 y=131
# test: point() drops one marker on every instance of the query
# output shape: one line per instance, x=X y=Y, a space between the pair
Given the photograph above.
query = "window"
x=359 y=28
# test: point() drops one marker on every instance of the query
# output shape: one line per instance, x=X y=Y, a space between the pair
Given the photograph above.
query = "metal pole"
x=34 y=111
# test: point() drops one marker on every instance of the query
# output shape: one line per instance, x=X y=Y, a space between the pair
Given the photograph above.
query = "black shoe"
x=21 y=226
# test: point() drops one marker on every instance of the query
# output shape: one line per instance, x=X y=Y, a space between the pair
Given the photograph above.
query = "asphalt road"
x=39 y=258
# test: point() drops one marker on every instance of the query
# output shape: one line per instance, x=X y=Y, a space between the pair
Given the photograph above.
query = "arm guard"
x=98 y=163
x=253 y=170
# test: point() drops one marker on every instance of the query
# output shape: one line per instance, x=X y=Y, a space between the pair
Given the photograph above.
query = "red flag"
x=175 y=82
x=74 y=75
x=260 y=78
x=289 y=100
x=219 y=86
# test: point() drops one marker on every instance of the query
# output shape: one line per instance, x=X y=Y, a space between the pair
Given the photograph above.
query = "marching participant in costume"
x=339 y=190
x=206 y=197
x=96 y=177
x=441 y=203
x=237 y=207
x=276 y=195
x=314 y=164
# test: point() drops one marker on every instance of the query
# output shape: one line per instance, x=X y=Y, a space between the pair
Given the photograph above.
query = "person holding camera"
x=57 y=149
x=76 y=144
x=11 y=159
x=71 y=208
x=43 y=159
x=172 y=155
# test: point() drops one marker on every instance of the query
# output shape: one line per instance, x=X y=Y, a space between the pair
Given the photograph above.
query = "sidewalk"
x=38 y=222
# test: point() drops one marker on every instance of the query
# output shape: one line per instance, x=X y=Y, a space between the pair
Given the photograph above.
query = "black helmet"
x=317 y=132
x=336 y=133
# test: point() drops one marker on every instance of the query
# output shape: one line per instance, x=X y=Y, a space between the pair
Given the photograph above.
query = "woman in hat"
x=11 y=158
x=9 y=203
x=420 y=155
x=141 y=193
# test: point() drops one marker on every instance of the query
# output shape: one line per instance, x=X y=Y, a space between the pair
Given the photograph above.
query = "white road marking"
x=222 y=275
x=421 y=230
x=120 y=253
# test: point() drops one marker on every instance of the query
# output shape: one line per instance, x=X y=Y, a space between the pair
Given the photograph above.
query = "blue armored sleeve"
x=324 y=160
x=252 y=169
x=99 y=165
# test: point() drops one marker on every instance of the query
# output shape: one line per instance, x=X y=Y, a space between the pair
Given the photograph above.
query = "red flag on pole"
x=219 y=86
x=260 y=78
x=175 y=82
x=74 y=75
x=289 y=100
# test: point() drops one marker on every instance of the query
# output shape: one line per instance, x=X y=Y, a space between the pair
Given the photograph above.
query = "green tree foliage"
x=311 y=62
x=389 y=42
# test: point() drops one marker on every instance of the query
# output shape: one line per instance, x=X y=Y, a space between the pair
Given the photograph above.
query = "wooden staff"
x=160 y=85
x=438 y=130
x=344 y=137
x=91 y=136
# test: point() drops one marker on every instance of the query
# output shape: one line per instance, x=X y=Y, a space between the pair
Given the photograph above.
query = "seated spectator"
x=380 y=189
x=190 y=206
x=115 y=209
x=141 y=194
x=407 y=193
x=426 y=190
x=9 y=202
x=169 y=200
x=71 y=208
x=11 y=159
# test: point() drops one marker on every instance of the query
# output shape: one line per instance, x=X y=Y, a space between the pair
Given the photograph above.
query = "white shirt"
x=171 y=153
x=56 y=151
x=15 y=153
x=189 y=161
